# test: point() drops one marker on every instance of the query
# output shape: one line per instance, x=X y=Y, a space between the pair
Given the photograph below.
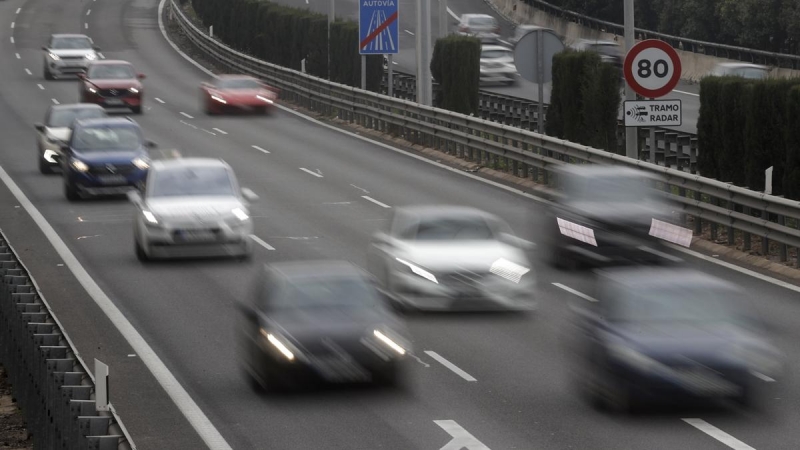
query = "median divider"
x=51 y=383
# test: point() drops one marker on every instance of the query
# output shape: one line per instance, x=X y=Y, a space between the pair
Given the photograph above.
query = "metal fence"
x=782 y=60
x=53 y=388
x=738 y=212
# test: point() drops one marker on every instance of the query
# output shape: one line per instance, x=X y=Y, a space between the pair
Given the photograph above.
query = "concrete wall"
x=694 y=65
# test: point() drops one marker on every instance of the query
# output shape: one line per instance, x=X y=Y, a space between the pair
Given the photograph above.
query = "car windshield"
x=608 y=189
x=111 y=72
x=325 y=292
x=71 y=43
x=191 y=181
x=482 y=22
x=675 y=303
x=453 y=229
x=606 y=49
x=106 y=138
x=495 y=54
x=750 y=73
x=243 y=83
x=63 y=118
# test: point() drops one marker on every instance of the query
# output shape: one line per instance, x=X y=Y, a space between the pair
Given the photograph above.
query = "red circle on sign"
x=674 y=59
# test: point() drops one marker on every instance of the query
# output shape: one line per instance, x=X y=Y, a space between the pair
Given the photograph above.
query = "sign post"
x=652 y=69
x=542 y=44
x=378 y=31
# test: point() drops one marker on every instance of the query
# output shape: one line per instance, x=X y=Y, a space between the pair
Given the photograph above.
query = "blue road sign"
x=378 y=27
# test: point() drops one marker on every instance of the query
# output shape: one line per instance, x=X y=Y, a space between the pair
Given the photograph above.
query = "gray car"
x=192 y=207
x=452 y=258
x=56 y=130
x=68 y=54
x=481 y=26
x=610 y=52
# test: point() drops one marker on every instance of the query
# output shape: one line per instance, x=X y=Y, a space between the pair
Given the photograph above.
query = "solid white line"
x=187 y=123
x=311 y=172
x=88 y=12
x=18 y=57
x=718 y=434
x=409 y=32
x=260 y=242
x=375 y=201
x=687 y=93
x=55 y=101
x=160 y=101
x=450 y=11
x=260 y=149
x=186 y=115
x=40 y=86
x=188 y=407
x=217 y=129
x=573 y=291
x=449 y=365
x=28 y=71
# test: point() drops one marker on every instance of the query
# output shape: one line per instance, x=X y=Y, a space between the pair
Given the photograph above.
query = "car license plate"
x=112 y=179
x=114 y=102
x=195 y=235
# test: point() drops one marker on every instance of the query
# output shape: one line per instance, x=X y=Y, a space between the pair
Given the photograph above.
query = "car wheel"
x=47 y=74
x=140 y=254
x=70 y=191
x=136 y=109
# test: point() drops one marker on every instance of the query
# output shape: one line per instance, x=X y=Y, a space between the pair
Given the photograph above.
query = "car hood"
x=195 y=206
x=71 y=52
x=116 y=84
x=59 y=133
x=464 y=255
x=245 y=93
x=108 y=157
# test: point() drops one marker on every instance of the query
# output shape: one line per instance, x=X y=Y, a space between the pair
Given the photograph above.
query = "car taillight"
x=463 y=28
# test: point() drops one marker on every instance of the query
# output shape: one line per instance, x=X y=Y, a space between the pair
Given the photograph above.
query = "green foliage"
x=734 y=100
x=285 y=36
x=791 y=176
x=708 y=126
x=455 y=65
x=584 y=101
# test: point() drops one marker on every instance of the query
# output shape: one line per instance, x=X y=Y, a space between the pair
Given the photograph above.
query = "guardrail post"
x=782 y=249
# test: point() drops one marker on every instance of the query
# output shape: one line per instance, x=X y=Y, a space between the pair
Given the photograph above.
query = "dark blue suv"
x=105 y=156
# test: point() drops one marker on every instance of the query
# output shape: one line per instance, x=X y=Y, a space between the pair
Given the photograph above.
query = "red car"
x=112 y=84
x=237 y=92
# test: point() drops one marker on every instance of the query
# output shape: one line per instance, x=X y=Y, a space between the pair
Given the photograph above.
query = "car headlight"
x=80 y=166
x=219 y=99
x=150 y=217
x=134 y=90
x=90 y=56
x=277 y=344
x=141 y=163
x=389 y=342
x=54 y=57
x=419 y=270
x=240 y=214
x=93 y=90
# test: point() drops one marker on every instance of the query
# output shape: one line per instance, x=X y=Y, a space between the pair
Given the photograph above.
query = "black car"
x=608 y=215
x=663 y=335
x=310 y=321
x=107 y=156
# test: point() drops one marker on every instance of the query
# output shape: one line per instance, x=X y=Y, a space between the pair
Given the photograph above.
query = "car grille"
x=112 y=169
x=72 y=58
x=465 y=281
x=114 y=93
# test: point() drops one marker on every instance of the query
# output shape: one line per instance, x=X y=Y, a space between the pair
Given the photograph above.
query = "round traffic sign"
x=652 y=68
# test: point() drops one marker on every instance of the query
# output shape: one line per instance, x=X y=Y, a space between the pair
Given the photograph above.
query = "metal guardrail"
x=51 y=383
x=782 y=60
x=514 y=150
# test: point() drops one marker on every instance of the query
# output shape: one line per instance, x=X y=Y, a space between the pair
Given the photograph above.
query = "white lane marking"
x=687 y=93
x=85 y=25
x=718 y=434
x=40 y=86
x=88 y=12
x=18 y=10
x=209 y=132
x=762 y=377
x=55 y=101
x=461 y=437
x=168 y=382
x=375 y=201
x=360 y=189
x=260 y=149
x=28 y=71
x=735 y=268
x=439 y=358
x=574 y=292
x=395 y=63
x=160 y=101
x=186 y=115
x=12 y=39
x=409 y=32
x=261 y=242
x=450 y=11
x=18 y=57
x=187 y=123
x=311 y=172
x=218 y=130
x=12 y=25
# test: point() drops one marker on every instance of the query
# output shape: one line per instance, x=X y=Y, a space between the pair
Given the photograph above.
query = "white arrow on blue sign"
x=378 y=27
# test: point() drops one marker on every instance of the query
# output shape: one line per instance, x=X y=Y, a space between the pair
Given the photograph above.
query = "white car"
x=481 y=26
x=56 y=129
x=744 y=70
x=192 y=207
x=68 y=54
x=497 y=65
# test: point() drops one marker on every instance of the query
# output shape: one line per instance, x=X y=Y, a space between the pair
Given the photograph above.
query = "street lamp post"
x=631 y=133
x=331 y=19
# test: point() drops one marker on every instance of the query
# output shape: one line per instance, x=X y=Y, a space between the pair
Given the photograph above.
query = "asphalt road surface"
x=516 y=394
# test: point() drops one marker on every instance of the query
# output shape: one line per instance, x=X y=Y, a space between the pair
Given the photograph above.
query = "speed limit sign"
x=652 y=68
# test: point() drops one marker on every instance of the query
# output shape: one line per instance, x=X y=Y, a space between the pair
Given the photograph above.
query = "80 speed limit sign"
x=652 y=68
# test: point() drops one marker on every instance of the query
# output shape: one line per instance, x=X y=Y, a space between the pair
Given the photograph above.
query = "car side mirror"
x=141 y=76
x=135 y=197
x=249 y=195
x=45 y=48
x=82 y=75
x=96 y=48
x=39 y=127
x=150 y=144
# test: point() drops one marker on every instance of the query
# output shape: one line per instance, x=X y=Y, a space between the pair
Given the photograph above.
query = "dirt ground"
x=13 y=434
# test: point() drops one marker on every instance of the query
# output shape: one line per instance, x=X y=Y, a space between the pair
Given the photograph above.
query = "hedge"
x=284 y=36
x=585 y=100
x=791 y=176
x=455 y=65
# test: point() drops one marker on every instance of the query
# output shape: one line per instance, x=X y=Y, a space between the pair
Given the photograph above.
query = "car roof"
x=597 y=42
x=495 y=47
x=474 y=16
x=297 y=270
x=68 y=106
x=68 y=35
x=163 y=164
x=589 y=170
x=104 y=62
x=235 y=77
x=736 y=65
x=101 y=121
x=654 y=278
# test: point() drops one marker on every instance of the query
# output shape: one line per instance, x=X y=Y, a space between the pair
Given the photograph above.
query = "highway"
x=517 y=394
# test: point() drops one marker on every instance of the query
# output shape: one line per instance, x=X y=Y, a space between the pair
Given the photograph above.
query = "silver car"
x=57 y=128
x=744 y=70
x=68 y=54
x=192 y=207
x=497 y=65
x=481 y=26
x=610 y=52
x=451 y=258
